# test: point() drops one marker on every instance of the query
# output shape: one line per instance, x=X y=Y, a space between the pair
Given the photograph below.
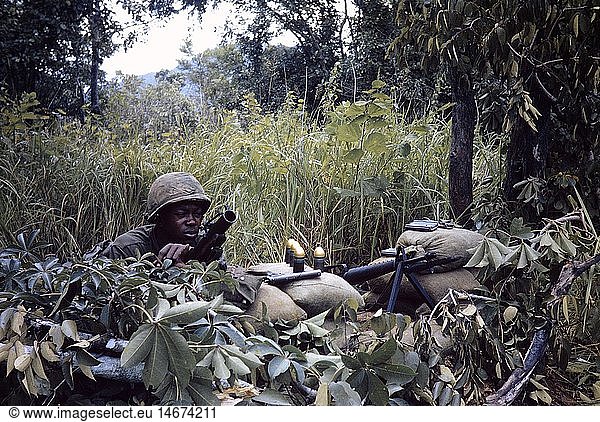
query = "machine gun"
x=400 y=265
x=213 y=231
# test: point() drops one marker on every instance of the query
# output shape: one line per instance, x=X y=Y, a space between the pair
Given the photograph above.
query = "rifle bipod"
x=409 y=267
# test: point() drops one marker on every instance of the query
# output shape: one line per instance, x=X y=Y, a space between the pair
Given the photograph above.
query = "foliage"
x=46 y=47
x=221 y=76
x=190 y=340
x=186 y=338
x=532 y=55
x=62 y=46
x=57 y=171
x=350 y=186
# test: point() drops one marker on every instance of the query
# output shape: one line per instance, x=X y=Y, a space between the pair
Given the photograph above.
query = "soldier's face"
x=181 y=222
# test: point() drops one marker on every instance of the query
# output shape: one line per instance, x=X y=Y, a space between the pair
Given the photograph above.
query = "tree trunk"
x=528 y=150
x=460 y=171
x=95 y=30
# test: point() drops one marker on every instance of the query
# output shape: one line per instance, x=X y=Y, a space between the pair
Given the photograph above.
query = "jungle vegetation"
x=484 y=113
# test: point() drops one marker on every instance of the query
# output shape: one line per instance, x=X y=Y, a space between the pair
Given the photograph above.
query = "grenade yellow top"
x=319 y=252
x=299 y=251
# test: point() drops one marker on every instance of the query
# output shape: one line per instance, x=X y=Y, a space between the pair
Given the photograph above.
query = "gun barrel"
x=359 y=275
x=219 y=227
x=225 y=220
x=277 y=280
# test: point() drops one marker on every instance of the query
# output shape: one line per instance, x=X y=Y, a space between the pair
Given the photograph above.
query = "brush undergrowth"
x=347 y=181
x=348 y=184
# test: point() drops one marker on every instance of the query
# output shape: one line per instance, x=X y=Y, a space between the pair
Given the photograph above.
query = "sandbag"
x=319 y=294
x=279 y=305
x=436 y=284
x=445 y=243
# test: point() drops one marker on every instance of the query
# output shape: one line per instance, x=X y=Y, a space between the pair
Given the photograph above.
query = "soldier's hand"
x=202 y=251
x=176 y=252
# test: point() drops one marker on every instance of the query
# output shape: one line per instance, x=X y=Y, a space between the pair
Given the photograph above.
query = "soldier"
x=176 y=207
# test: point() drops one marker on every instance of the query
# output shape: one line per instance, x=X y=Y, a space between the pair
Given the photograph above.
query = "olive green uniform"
x=136 y=242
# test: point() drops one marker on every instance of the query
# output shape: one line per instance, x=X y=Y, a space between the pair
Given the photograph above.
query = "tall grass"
x=285 y=174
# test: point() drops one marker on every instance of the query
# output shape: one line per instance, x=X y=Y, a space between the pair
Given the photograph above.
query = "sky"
x=159 y=49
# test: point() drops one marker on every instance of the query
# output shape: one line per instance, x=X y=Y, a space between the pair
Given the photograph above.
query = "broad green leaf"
x=263 y=346
x=445 y=396
x=546 y=239
x=315 y=330
x=313 y=359
x=378 y=392
x=69 y=329
x=294 y=352
x=384 y=352
x=181 y=359
x=186 y=313
x=567 y=245
x=397 y=374
x=157 y=361
x=437 y=389
x=277 y=366
x=510 y=313
x=202 y=394
x=139 y=346
x=272 y=397
x=353 y=156
x=359 y=381
x=422 y=378
x=349 y=133
x=219 y=366
x=494 y=253
x=47 y=352
x=236 y=365
x=86 y=358
x=502 y=248
x=376 y=143
x=523 y=259
x=250 y=359
x=343 y=394
x=300 y=371
x=412 y=360
x=532 y=254
x=350 y=362
x=383 y=323
x=87 y=371
x=364 y=358
x=477 y=256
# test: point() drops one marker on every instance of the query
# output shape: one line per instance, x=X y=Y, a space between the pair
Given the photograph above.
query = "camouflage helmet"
x=174 y=187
